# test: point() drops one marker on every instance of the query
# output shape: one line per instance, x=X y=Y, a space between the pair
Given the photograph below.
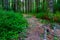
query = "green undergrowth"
x=52 y=17
x=11 y=25
x=49 y=18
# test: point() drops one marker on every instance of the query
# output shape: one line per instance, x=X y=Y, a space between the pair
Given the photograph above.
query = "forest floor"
x=35 y=28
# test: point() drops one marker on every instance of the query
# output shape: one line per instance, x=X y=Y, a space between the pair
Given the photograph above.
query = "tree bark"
x=30 y=5
x=37 y=5
x=5 y=4
x=15 y=5
x=43 y=5
x=50 y=4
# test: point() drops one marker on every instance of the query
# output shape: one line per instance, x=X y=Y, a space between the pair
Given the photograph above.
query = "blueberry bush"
x=11 y=24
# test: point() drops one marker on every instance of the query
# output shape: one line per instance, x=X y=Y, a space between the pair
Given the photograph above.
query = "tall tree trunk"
x=50 y=4
x=29 y=5
x=43 y=5
x=37 y=5
x=58 y=5
x=26 y=6
x=5 y=4
x=0 y=3
x=15 y=5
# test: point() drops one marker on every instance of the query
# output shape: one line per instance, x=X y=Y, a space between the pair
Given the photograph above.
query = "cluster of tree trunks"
x=28 y=5
x=5 y=4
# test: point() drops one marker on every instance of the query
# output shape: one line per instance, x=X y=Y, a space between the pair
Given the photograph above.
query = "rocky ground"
x=35 y=29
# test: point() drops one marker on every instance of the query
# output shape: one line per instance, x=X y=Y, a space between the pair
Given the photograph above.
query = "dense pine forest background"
x=30 y=5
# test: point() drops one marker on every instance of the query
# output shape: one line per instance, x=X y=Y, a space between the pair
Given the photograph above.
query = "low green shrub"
x=49 y=16
x=57 y=17
x=56 y=37
x=11 y=24
x=40 y=15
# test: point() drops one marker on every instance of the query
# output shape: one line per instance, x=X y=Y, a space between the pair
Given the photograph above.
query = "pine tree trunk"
x=37 y=5
x=30 y=5
x=5 y=4
x=15 y=5
x=0 y=3
x=50 y=4
x=26 y=6
x=43 y=5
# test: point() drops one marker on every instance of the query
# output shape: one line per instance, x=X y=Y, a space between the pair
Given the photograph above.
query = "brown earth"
x=35 y=29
